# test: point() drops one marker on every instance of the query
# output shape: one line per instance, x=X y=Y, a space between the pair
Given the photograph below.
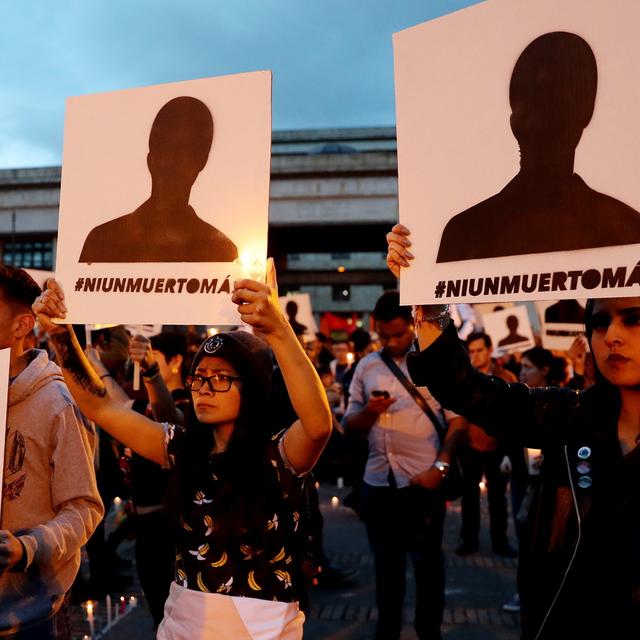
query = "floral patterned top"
x=268 y=570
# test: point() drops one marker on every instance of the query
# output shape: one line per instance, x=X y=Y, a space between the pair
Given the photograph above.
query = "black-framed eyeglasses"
x=218 y=382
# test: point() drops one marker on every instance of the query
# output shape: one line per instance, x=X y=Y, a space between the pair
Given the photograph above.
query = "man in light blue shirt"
x=402 y=507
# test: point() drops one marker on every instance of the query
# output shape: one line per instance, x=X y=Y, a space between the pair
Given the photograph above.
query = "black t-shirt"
x=266 y=569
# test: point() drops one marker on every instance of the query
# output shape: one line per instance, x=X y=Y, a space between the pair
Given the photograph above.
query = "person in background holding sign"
x=408 y=459
x=580 y=569
x=163 y=371
x=237 y=491
x=50 y=502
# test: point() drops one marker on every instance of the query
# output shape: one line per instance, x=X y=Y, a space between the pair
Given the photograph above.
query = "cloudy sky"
x=332 y=59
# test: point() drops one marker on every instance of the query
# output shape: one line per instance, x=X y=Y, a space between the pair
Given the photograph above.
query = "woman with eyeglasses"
x=579 y=571
x=236 y=492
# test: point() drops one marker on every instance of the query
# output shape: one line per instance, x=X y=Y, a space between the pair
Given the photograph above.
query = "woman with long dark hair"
x=236 y=490
x=582 y=561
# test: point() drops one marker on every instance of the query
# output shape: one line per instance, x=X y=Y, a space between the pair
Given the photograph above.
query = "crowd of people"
x=215 y=453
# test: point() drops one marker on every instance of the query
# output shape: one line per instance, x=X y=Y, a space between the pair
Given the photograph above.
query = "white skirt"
x=193 y=615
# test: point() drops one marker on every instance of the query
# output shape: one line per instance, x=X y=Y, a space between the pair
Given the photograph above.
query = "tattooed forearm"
x=74 y=362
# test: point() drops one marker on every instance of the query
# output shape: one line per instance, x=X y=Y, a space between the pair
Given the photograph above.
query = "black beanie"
x=249 y=355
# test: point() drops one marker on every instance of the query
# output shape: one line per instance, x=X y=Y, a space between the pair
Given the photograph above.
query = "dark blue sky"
x=332 y=59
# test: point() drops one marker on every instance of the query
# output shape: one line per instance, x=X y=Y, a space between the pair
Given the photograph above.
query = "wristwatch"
x=442 y=467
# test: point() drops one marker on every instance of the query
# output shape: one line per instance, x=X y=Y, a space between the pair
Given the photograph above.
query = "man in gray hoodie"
x=50 y=502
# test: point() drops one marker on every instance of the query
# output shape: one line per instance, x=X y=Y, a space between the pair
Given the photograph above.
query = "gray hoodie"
x=50 y=498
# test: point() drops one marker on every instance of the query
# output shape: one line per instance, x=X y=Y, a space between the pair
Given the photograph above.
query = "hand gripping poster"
x=164 y=200
x=12 y=447
x=518 y=151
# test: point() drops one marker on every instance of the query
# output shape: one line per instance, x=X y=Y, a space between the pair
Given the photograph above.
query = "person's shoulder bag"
x=451 y=487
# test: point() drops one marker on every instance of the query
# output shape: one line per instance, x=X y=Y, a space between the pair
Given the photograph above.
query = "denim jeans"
x=56 y=628
x=400 y=522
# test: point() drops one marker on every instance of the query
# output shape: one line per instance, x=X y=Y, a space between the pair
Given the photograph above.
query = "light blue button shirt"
x=403 y=438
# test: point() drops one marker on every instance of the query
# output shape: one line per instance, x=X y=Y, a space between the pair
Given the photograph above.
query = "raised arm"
x=132 y=429
x=427 y=318
x=513 y=411
x=259 y=307
x=113 y=388
x=162 y=403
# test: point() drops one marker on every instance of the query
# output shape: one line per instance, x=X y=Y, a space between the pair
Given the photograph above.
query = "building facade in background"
x=334 y=195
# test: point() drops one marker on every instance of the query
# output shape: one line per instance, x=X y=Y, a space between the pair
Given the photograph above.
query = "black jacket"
x=576 y=570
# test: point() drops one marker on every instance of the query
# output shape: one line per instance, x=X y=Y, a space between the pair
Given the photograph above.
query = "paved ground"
x=477 y=586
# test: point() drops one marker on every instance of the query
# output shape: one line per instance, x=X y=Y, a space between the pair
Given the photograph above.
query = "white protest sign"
x=164 y=200
x=509 y=117
x=5 y=355
x=561 y=321
x=298 y=311
x=510 y=330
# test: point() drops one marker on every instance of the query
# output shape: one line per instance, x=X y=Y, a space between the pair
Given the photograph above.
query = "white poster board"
x=510 y=330
x=298 y=311
x=561 y=321
x=5 y=355
x=164 y=200
x=508 y=117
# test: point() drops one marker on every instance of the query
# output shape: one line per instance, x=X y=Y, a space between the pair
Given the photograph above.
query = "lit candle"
x=108 y=603
x=350 y=357
x=133 y=602
x=89 y=607
x=123 y=605
x=335 y=501
x=251 y=267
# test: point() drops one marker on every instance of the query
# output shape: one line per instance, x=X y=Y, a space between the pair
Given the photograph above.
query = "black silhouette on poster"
x=291 y=310
x=546 y=206
x=565 y=312
x=513 y=337
x=165 y=228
